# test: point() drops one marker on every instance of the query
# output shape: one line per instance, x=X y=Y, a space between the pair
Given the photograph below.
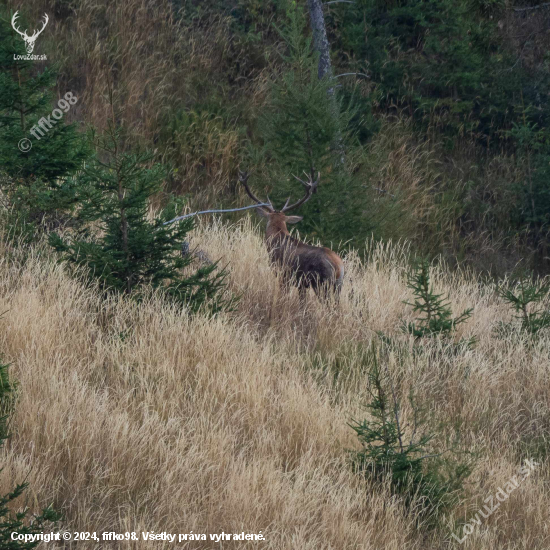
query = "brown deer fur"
x=311 y=266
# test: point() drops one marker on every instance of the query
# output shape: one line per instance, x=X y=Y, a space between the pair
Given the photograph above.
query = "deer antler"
x=46 y=19
x=243 y=179
x=29 y=40
x=24 y=34
x=310 y=186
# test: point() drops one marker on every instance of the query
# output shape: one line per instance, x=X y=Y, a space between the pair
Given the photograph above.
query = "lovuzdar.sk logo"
x=29 y=40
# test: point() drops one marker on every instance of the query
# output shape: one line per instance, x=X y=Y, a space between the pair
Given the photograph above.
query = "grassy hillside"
x=153 y=414
x=138 y=417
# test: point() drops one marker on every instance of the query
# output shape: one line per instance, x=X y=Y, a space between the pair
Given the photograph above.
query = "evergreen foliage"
x=18 y=522
x=35 y=180
x=442 y=60
x=118 y=243
x=532 y=194
x=416 y=470
x=306 y=127
x=437 y=316
x=468 y=73
x=526 y=299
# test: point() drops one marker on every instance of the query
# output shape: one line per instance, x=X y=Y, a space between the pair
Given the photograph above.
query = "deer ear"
x=262 y=212
x=293 y=219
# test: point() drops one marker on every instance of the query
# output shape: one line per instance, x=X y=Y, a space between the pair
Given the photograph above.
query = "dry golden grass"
x=135 y=418
x=139 y=417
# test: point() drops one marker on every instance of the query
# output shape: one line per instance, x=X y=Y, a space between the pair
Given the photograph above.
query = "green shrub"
x=407 y=454
x=526 y=299
x=437 y=315
x=33 y=182
x=117 y=241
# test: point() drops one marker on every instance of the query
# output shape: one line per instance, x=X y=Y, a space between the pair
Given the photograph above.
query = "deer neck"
x=276 y=229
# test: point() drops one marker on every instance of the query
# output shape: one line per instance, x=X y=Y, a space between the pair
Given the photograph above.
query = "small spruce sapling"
x=416 y=469
x=118 y=242
x=437 y=316
x=526 y=300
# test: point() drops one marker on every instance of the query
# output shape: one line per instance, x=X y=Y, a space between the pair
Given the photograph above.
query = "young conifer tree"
x=37 y=151
x=436 y=315
x=118 y=241
x=408 y=455
x=304 y=127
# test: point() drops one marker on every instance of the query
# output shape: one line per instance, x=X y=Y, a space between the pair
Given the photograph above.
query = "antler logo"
x=29 y=40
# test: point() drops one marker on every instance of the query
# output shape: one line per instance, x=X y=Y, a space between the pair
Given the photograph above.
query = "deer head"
x=277 y=219
x=29 y=40
x=308 y=266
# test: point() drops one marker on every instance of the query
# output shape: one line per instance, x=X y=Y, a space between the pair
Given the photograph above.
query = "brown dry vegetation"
x=139 y=417
x=192 y=90
x=159 y=68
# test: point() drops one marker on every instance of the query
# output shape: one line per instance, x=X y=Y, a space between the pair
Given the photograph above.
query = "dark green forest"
x=432 y=125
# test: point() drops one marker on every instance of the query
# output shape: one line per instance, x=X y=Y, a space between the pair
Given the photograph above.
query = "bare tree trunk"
x=320 y=40
x=321 y=45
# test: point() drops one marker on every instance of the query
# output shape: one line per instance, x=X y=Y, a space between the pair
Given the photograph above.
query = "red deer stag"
x=313 y=266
